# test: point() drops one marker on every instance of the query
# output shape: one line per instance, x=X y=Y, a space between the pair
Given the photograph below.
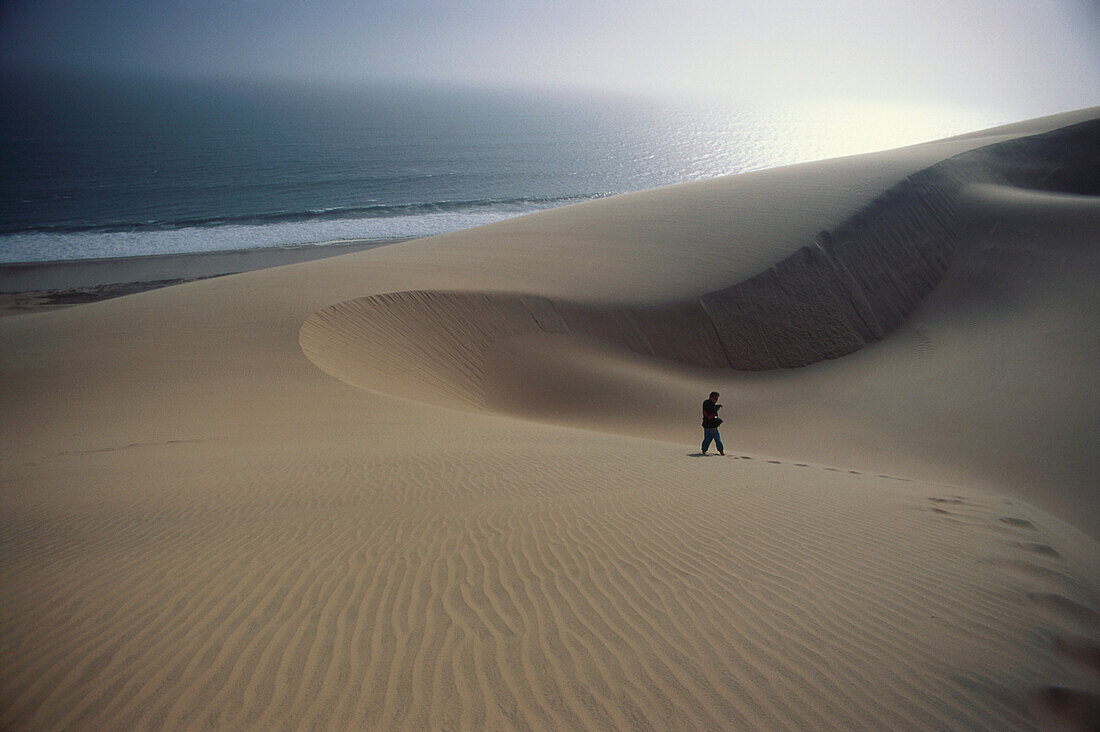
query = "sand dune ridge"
x=200 y=528
x=849 y=287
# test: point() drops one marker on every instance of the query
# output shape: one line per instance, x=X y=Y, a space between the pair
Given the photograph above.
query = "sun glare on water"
x=827 y=129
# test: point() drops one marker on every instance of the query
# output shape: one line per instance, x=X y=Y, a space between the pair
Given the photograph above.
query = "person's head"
x=714 y=396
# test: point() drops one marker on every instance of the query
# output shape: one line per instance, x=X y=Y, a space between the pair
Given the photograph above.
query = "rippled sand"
x=454 y=483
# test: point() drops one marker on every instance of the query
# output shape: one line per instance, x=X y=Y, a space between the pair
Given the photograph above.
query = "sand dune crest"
x=849 y=287
x=201 y=528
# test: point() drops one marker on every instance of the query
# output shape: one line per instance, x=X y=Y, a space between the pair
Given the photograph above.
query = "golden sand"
x=453 y=482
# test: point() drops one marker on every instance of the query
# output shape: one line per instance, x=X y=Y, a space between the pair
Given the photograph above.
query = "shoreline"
x=30 y=287
x=456 y=483
x=68 y=274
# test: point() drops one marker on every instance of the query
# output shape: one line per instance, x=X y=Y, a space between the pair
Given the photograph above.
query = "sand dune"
x=851 y=286
x=1017 y=305
x=493 y=517
x=598 y=591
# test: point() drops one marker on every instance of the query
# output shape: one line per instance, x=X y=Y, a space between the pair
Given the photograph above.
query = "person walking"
x=711 y=420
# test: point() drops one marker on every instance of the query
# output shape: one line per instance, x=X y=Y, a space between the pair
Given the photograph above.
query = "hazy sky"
x=1035 y=53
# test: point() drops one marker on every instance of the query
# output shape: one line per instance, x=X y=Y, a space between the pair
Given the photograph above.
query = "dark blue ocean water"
x=127 y=167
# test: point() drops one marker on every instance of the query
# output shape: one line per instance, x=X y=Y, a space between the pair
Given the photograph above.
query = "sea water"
x=127 y=167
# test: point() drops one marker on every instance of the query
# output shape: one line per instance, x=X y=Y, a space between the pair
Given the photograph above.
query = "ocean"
x=127 y=167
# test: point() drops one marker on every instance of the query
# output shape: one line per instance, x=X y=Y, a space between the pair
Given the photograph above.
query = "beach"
x=36 y=286
x=454 y=482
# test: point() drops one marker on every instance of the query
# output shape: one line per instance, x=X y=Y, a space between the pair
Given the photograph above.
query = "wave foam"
x=40 y=246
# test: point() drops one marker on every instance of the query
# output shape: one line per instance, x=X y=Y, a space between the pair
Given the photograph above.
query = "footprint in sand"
x=968 y=512
x=948 y=501
x=1081 y=650
x=1075 y=611
x=1031 y=569
x=1043 y=549
x=1018 y=523
x=1064 y=708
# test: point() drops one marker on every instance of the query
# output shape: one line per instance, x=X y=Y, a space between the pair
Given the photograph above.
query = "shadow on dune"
x=849 y=287
x=981 y=267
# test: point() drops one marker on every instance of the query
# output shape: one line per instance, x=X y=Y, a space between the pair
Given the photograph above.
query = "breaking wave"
x=381 y=222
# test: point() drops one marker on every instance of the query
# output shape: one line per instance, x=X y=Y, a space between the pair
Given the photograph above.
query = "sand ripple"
x=199 y=529
x=568 y=586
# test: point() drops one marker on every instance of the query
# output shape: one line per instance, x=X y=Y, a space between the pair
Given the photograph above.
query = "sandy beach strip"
x=31 y=286
x=454 y=483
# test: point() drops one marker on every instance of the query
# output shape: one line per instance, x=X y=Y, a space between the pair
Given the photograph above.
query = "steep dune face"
x=199 y=528
x=1011 y=227
x=849 y=287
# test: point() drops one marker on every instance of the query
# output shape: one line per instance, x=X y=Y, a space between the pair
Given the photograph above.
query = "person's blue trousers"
x=712 y=434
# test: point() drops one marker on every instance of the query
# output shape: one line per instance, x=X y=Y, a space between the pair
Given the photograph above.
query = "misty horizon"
x=1039 y=56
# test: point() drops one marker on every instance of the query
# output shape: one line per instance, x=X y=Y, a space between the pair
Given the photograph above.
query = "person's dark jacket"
x=710 y=415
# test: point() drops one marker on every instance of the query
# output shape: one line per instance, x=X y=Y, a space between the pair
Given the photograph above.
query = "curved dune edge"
x=200 y=529
x=850 y=287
